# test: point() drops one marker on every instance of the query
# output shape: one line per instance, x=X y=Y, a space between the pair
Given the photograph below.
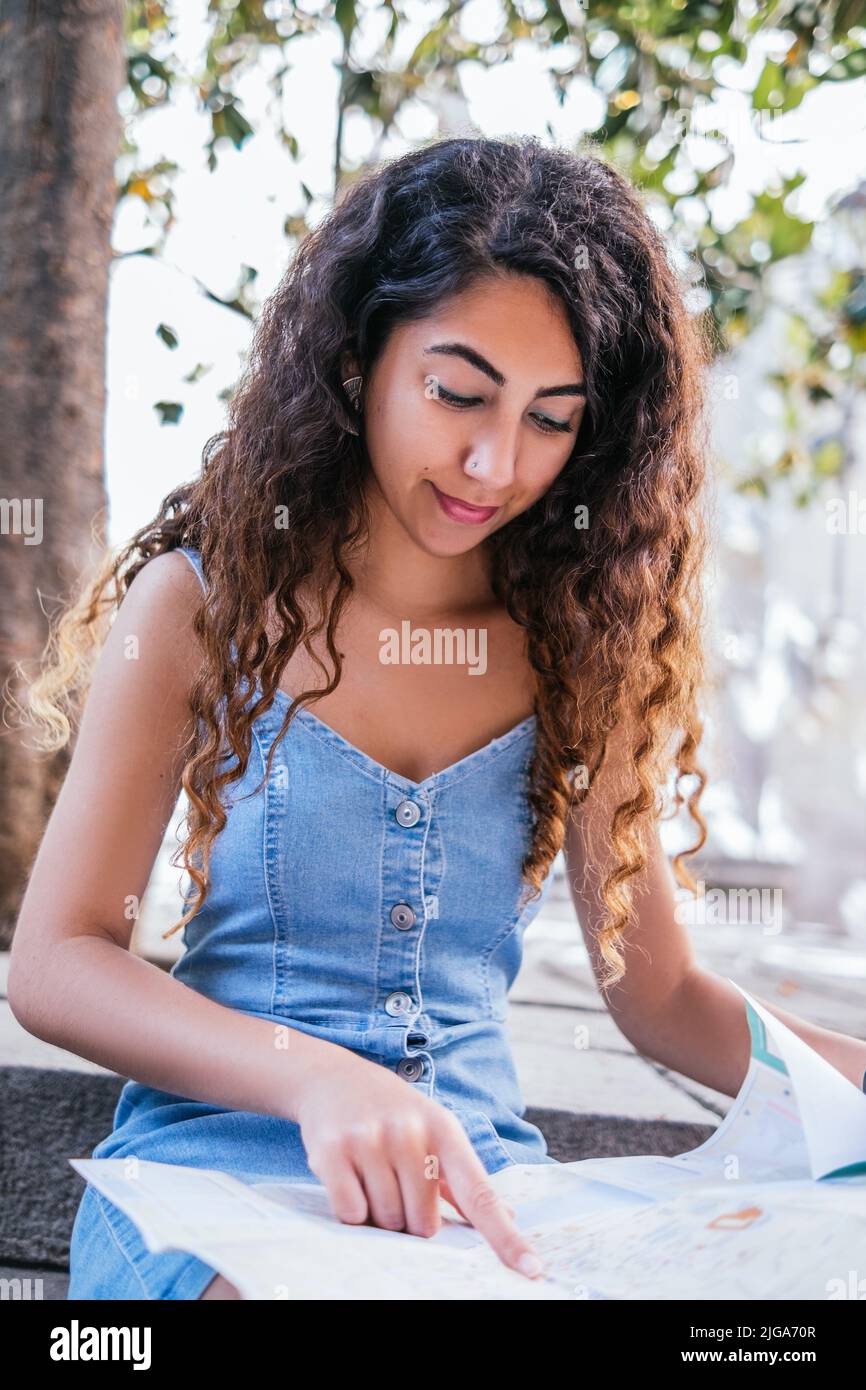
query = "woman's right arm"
x=73 y=981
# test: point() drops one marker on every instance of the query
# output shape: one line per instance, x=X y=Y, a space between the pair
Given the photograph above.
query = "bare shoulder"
x=169 y=571
x=124 y=776
x=161 y=601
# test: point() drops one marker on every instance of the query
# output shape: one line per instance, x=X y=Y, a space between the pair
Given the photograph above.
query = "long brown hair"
x=612 y=611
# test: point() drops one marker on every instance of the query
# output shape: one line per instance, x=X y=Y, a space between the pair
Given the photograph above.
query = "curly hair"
x=612 y=611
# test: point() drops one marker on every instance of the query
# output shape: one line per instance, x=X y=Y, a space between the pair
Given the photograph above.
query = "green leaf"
x=346 y=16
x=229 y=121
x=429 y=46
x=852 y=65
x=788 y=88
x=199 y=370
x=168 y=335
x=169 y=411
x=828 y=458
x=855 y=303
x=753 y=485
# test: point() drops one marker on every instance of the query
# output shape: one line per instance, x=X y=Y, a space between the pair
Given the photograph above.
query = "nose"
x=492 y=460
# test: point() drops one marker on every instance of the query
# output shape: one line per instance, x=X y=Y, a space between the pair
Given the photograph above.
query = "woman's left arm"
x=709 y=1004
x=670 y=1008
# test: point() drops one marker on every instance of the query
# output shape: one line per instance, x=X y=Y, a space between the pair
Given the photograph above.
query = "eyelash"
x=546 y=425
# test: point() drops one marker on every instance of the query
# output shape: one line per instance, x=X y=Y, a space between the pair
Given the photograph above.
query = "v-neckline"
x=371 y=765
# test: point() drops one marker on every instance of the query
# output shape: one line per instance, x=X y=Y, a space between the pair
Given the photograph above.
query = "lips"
x=465 y=512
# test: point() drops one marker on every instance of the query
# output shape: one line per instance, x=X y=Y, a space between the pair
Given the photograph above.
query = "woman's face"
x=505 y=350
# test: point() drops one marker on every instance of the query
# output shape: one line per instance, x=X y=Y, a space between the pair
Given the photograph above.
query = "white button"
x=399 y=1002
x=402 y=916
x=410 y=1067
x=408 y=812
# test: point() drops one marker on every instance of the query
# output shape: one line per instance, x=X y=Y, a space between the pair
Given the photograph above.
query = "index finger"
x=481 y=1204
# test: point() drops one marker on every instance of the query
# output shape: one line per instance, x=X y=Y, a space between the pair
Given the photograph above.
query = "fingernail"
x=529 y=1264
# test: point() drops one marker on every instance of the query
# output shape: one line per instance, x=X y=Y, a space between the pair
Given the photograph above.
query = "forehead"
x=515 y=321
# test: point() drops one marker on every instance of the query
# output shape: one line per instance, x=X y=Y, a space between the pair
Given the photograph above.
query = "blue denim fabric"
x=354 y=904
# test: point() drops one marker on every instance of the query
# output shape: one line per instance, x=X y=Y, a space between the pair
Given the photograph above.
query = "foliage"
x=657 y=67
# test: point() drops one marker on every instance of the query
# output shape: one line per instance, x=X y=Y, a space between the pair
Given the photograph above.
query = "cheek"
x=402 y=448
x=405 y=442
x=539 y=476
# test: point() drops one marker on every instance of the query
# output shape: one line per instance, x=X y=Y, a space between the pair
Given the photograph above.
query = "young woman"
x=430 y=614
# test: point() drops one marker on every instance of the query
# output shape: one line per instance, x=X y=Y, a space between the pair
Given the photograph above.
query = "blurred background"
x=152 y=196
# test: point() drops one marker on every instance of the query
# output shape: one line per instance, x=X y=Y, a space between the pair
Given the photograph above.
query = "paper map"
x=771 y=1206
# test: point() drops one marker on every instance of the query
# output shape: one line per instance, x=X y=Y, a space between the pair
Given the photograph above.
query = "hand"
x=384 y=1153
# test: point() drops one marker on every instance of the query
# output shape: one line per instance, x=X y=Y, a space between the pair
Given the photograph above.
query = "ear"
x=348 y=366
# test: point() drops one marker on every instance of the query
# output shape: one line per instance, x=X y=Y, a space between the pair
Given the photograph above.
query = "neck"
x=394 y=576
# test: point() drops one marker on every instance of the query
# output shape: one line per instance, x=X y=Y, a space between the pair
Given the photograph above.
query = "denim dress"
x=348 y=902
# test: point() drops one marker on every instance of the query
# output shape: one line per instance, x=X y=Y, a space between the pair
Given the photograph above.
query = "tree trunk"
x=62 y=66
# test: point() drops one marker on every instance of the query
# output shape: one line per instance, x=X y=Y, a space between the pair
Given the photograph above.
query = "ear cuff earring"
x=352 y=388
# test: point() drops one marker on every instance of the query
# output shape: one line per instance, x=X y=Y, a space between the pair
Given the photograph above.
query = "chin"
x=445 y=546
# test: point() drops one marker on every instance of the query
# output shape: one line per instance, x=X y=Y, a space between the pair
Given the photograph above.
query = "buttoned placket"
x=406 y=910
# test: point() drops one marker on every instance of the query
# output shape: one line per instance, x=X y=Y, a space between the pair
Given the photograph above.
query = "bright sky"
x=235 y=215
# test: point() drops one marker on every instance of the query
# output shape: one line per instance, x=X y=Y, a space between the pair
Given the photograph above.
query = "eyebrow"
x=469 y=354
